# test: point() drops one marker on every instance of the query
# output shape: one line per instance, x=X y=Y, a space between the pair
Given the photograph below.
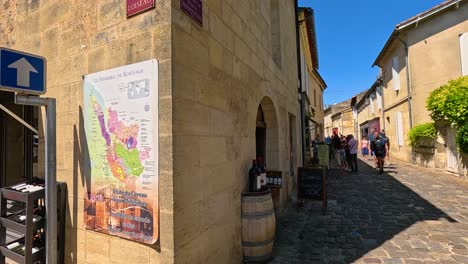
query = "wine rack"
x=30 y=222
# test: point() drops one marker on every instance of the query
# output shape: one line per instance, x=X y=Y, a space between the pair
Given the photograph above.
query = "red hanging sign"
x=137 y=6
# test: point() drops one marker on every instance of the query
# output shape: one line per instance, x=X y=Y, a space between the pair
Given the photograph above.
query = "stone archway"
x=266 y=134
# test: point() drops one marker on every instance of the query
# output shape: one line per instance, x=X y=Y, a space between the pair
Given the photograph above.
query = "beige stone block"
x=118 y=50
x=50 y=51
x=32 y=44
x=69 y=69
x=182 y=20
x=165 y=78
x=104 y=36
x=139 y=48
x=219 y=178
x=190 y=252
x=161 y=256
x=97 y=247
x=218 y=208
x=111 y=12
x=166 y=192
x=70 y=42
x=165 y=116
x=26 y=27
x=190 y=52
x=125 y=251
x=166 y=227
x=53 y=12
x=221 y=123
x=97 y=58
x=75 y=205
x=187 y=224
x=190 y=118
x=216 y=53
x=185 y=83
x=212 y=150
x=165 y=153
x=162 y=41
x=75 y=245
x=213 y=92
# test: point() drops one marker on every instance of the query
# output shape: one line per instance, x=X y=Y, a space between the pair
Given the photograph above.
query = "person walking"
x=364 y=147
x=379 y=147
x=336 y=144
x=352 y=145
x=344 y=154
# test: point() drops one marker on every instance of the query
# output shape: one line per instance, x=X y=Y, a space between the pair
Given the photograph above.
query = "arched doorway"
x=266 y=134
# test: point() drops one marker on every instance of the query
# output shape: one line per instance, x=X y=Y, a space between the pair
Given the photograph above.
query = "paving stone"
x=461 y=259
x=410 y=217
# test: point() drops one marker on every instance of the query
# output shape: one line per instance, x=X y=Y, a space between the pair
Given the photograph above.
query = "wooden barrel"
x=258 y=226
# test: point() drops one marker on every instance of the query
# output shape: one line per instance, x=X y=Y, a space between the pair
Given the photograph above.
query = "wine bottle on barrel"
x=263 y=178
x=254 y=175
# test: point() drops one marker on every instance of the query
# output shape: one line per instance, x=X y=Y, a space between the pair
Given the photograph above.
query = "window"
x=464 y=53
x=395 y=74
x=275 y=31
x=371 y=104
x=399 y=128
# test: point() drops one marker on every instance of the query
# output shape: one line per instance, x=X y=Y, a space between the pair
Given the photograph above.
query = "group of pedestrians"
x=345 y=149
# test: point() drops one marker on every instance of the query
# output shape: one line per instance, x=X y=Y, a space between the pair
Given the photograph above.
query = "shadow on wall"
x=81 y=164
x=364 y=211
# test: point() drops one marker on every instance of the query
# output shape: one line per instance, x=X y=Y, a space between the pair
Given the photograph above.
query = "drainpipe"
x=299 y=78
x=408 y=82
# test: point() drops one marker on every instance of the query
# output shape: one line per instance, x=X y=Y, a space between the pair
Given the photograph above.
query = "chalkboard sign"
x=312 y=184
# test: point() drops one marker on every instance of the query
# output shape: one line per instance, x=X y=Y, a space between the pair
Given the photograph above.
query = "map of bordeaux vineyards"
x=121 y=125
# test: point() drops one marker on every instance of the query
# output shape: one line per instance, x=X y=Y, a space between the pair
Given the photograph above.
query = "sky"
x=350 y=35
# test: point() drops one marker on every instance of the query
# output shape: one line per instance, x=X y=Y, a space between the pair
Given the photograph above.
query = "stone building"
x=423 y=53
x=368 y=111
x=227 y=93
x=339 y=118
x=313 y=84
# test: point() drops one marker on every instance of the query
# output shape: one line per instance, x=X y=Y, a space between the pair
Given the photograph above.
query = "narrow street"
x=407 y=215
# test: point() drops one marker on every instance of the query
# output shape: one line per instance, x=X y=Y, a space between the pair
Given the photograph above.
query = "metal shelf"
x=21 y=259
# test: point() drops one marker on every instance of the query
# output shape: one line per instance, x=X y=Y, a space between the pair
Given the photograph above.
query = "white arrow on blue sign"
x=22 y=72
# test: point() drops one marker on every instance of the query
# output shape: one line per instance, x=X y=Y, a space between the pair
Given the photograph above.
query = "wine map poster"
x=121 y=126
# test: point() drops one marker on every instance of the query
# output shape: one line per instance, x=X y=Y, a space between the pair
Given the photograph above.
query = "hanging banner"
x=121 y=126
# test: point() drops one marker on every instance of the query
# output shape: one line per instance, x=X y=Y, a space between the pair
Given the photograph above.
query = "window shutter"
x=379 y=99
x=395 y=74
x=399 y=128
x=464 y=53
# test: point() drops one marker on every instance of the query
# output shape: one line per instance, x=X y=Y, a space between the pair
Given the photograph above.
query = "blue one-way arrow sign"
x=22 y=72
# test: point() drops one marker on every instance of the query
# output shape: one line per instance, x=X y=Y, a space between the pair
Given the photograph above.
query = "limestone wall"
x=222 y=71
x=81 y=37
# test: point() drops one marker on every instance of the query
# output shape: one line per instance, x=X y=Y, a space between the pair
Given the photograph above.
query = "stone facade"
x=313 y=85
x=369 y=111
x=212 y=81
x=222 y=72
x=434 y=59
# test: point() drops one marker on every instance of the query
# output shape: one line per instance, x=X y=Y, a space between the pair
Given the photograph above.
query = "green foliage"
x=450 y=102
x=421 y=131
x=462 y=138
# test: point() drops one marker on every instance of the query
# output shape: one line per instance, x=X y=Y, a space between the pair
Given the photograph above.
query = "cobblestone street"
x=407 y=215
